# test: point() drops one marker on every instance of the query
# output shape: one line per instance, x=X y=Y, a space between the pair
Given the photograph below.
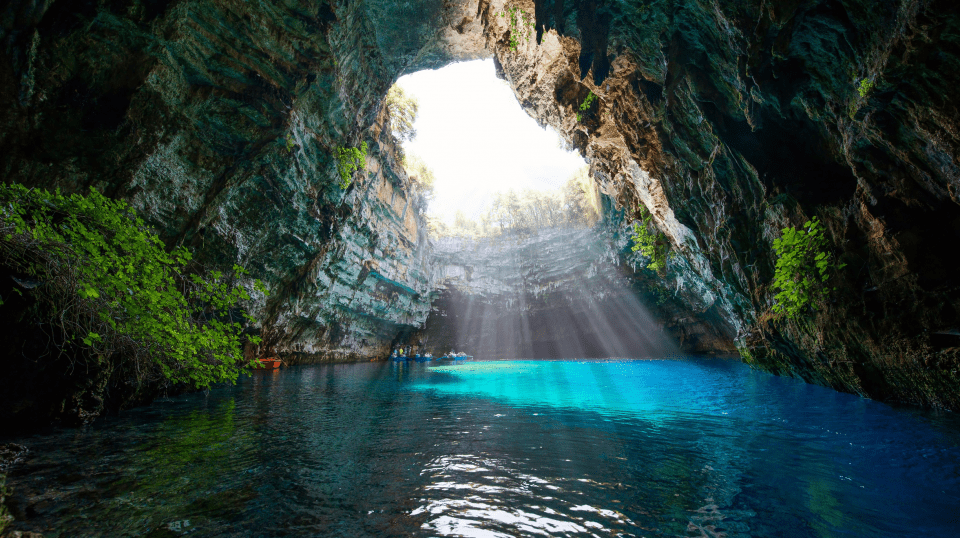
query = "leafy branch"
x=521 y=26
x=802 y=268
x=585 y=105
x=653 y=246
x=349 y=160
x=113 y=291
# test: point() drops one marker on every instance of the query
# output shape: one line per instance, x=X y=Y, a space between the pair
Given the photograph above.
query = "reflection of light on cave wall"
x=558 y=295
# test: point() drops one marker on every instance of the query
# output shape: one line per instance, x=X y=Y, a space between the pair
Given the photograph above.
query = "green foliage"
x=521 y=26
x=420 y=173
x=802 y=267
x=349 y=160
x=865 y=86
x=574 y=205
x=290 y=142
x=585 y=105
x=402 y=109
x=653 y=246
x=117 y=293
x=662 y=295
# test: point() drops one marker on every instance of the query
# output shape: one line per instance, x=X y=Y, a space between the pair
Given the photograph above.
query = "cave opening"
x=515 y=222
x=492 y=170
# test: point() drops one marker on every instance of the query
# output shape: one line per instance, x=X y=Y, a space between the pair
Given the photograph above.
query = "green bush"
x=653 y=246
x=521 y=26
x=114 y=292
x=349 y=160
x=585 y=105
x=803 y=264
x=865 y=86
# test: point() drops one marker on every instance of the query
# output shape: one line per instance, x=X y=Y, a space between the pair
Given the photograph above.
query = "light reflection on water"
x=481 y=497
x=697 y=447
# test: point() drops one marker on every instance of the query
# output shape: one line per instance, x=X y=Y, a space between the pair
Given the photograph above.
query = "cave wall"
x=729 y=120
x=557 y=293
x=219 y=121
x=562 y=293
x=732 y=120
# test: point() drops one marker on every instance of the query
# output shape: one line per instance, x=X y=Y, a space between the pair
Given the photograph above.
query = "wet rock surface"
x=727 y=120
x=730 y=121
x=563 y=292
x=219 y=121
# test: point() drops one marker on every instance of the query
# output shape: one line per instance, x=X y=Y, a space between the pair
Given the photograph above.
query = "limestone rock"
x=728 y=120
x=732 y=120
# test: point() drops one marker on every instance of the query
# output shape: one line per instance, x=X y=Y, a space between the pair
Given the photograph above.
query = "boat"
x=457 y=356
x=270 y=363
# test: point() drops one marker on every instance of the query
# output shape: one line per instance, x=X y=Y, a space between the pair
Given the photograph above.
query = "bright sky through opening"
x=477 y=140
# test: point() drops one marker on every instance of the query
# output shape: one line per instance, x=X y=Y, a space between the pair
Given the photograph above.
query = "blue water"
x=694 y=447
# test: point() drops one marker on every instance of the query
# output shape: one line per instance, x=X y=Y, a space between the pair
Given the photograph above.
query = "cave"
x=719 y=127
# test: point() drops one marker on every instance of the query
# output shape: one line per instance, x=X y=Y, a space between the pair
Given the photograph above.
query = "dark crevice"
x=791 y=157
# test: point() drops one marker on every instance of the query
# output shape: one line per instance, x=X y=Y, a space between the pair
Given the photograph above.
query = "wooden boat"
x=271 y=363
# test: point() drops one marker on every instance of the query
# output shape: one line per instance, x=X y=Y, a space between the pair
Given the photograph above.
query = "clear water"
x=696 y=447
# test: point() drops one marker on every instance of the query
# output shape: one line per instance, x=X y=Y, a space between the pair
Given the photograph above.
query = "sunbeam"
x=557 y=294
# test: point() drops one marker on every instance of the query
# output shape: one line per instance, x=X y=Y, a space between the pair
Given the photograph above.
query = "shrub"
x=802 y=268
x=521 y=26
x=585 y=105
x=114 y=292
x=865 y=86
x=349 y=160
x=653 y=246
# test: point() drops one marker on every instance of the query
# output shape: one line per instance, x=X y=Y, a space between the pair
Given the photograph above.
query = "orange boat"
x=271 y=363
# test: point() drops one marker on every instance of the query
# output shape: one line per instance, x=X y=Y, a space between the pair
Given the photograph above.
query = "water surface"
x=694 y=447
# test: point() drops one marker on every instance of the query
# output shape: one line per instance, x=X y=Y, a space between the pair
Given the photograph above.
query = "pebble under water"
x=693 y=447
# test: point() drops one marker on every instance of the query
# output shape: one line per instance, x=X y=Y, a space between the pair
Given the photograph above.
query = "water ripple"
x=695 y=448
x=484 y=497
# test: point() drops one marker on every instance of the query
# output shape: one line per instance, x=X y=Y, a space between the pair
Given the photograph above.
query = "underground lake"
x=480 y=268
x=669 y=447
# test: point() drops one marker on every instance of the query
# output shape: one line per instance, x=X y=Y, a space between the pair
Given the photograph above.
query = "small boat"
x=399 y=358
x=460 y=356
x=271 y=363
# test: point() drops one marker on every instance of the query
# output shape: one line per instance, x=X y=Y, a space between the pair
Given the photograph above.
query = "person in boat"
x=401 y=352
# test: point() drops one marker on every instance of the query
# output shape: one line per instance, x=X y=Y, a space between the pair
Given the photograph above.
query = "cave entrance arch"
x=527 y=268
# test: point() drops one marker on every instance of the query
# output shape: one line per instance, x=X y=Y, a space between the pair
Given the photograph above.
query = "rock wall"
x=219 y=121
x=559 y=293
x=729 y=120
x=732 y=120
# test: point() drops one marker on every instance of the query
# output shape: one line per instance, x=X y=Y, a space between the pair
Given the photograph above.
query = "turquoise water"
x=694 y=447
